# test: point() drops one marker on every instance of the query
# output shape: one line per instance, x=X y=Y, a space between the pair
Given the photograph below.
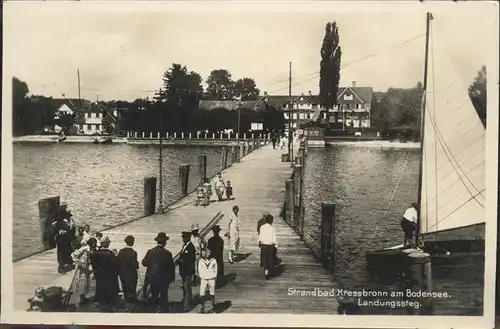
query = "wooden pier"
x=258 y=181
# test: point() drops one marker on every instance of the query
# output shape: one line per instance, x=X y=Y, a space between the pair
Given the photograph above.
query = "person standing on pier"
x=216 y=247
x=234 y=234
x=160 y=272
x=207 y=269
x=127 y=270
x=220 y=187
x=187 y=269
x=83 y=269
x=274 y=139
x=262 y=221
x=409 y=224
x=105 y=268
x=64 y=242
x=268 y=244
x=199 y=247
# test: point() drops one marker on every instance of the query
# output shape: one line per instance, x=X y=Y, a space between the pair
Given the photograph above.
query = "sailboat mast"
x=422 y=126
x=79 y=95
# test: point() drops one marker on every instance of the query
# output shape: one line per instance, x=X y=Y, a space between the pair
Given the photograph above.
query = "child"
x=207 y=188
x=36 y=301
x=207 y=270
x=229 y=190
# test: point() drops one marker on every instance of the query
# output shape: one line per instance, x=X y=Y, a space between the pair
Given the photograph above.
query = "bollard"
x=244 y=135
x=202 y=168
x=420 y=276
x=47 y=212
x=167 y=135
x=175 y=135
x=182 y=135
x=151 y=134
x=136 y=134
x=221 y=135
x=197 y=135
x=143 y=134
x=149 y=195
x=190 y=135
x=184 y=178
x=289 y=206
x=224 y=158
x=213 y=135
x=328 y=235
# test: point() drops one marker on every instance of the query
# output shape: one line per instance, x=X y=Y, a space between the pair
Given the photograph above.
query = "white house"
x=96 y=119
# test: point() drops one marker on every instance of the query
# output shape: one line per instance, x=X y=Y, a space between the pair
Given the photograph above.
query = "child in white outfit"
x=207 y=270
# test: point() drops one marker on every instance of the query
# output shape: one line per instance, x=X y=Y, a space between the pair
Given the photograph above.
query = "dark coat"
x=187 y=260
x=104 y=265
x=160 y=267
x=127 y=264
x=216 y=247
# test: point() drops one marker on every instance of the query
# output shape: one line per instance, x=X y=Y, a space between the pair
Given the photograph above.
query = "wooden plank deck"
x=258 y=182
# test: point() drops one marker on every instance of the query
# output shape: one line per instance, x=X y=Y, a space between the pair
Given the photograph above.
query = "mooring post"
x=224 y=158
x=202 y=168
x=328 y=235
x=289 y=206
x=419 y=266
x=184 y=178
x=47 y=212
x=149 y=195
x=175 y=135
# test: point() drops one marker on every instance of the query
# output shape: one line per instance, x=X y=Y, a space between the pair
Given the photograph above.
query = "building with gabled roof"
x=96 y=119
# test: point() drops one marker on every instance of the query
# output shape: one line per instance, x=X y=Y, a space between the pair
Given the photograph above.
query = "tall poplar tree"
x=329 y=74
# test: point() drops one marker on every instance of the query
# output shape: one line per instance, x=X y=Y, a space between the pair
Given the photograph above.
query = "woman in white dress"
x=220 y=187
x=233 y=234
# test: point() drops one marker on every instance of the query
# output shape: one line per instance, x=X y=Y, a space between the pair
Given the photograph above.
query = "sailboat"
x=451 y=191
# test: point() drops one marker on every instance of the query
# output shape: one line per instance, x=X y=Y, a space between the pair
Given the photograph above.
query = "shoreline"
x=378 y=144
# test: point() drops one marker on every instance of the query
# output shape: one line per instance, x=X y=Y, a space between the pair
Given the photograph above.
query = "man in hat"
x=216 y=247
x=186 y=262
x=207 y=269
x=104 y=265
x=199 y=247
x=160 y=272
x=127 y=270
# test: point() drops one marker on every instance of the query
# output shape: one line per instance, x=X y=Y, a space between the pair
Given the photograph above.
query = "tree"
x=179 y=96
x=220 y=85
x=329 y=74
x=247 y=88
x=20 y=113
x=477 y=94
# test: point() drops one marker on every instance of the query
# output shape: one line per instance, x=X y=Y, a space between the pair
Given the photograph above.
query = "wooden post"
x=184 y=178
x=149 y=195
x=175 y=135
x=182 y=135
x=233 y=154
x=224 y=158
x=202 y=168
x=213 y=135
x=190 y=135
x=167 y=135
x=328 y=235
x=297 y=188
x=258 y=141
x=244 y=135
x=198 y=135
x=136 y=134
x=143 y=134
x=151 y=134
x=289 y=206
x=47 y=212
x=419 y=269
x=221 y=135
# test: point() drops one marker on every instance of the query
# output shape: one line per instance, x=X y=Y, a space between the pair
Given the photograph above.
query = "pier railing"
x=263 y=137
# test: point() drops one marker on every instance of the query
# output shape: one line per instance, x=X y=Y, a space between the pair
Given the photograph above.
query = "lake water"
x=103 y=185
x=361 y=181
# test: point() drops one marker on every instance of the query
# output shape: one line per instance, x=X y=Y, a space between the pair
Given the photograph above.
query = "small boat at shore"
x=103 y=140
x=451 y=191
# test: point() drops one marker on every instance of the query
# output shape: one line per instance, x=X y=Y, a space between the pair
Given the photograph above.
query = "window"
x=336 y=107
x=89 y=127
x=348 y=97
x=97 y=127
x=301 y=116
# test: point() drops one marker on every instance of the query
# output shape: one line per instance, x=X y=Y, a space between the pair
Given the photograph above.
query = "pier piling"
x=47 y=210
x=420 y=279
x=289 y=198
x=202 y=168
x=224 y=158
x=184 y=178
x=149 y=195
x=328 y=235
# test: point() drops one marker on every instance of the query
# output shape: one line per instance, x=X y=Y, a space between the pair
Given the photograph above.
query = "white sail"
x=453 y=175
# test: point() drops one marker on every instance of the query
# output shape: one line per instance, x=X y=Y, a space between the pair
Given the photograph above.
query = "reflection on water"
x=102 y=184
x=361 y=181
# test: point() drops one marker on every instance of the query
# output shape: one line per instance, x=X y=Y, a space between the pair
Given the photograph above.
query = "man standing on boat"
x=409 y=224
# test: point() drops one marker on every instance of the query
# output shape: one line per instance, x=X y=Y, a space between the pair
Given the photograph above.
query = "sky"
x=122 y=52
